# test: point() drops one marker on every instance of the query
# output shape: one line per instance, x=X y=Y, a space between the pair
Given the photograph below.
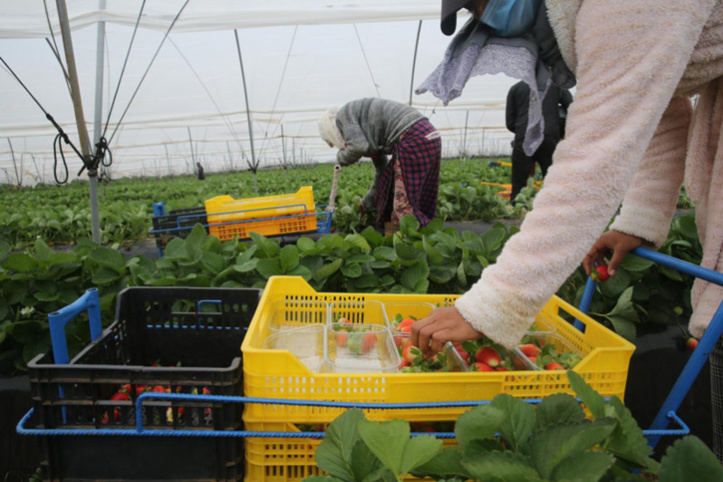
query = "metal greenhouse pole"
x=414 y=62
x=248 y=113
x=80 y=117
x=99 y=65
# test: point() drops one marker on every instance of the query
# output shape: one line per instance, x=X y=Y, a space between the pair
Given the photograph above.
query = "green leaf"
x=390 y=442
x=586 y=467
x=195 y=241
x=616 y=285
x=334 y=454
x=105 y=276
x=387 y=440
x=418 y=451
x=328 y=269
x=635 y=264
x=493 y=239
x=360 y=258
x=268 y=267
x=481 y=422
x=520 y=420
x=305 y=244
x=357 y=241
x=448 y=462
x=442 y=274
x=558 y=408
x=406 y=253
x=461 y=276
x=689 y=459
x=247 y=266
x=594 y=401
x=109 y=258
x=623 y=327
x=363 y=461
x=628 y=441
x=42 y=250
x=4 y=249
x=414 y=274
x=302 y=271
x=433 y=254
x=268 y=248
x=20 y=262
x=501 y=466
x=27 y=331
x=289 y=258
x=555 y=443
x=351 y=270
x=385 y=253
x=213 y=262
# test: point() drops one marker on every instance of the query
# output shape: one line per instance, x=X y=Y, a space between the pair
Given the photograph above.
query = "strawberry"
x=502 y=369
x=488 y=356
x=483 y=367
x=398 y=340
x=530 y=350
x=158 y=389
x=600 y=273
x=404 y=363
x=691 y=344
x=554 y=366
x=369 y=341
x=405 y=325
x=120 y=396
x=410 y=353
x=341 y=339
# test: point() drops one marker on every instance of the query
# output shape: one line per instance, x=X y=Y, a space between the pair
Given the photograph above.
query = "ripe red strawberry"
x=600 y=273
x=488 y=356
x=529 y=350
x=554 y=366
x=341 y=338
x=369 y=341
x=405 y=325
x=483 y=367
x=502 y=369
x=120 y=396
x=410 y=352
x=404 y=363
x=691 y=344
x=158 y=389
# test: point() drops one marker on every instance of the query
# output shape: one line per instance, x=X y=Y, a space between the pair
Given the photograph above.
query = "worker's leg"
x=543 y=155
x=400 y=205
x=521 y=166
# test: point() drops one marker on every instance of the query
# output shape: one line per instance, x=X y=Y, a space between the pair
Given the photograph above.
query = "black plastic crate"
x=194 y=337
x=178 y=223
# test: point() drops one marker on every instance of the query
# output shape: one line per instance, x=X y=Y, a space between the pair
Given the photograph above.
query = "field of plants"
x=39 y=278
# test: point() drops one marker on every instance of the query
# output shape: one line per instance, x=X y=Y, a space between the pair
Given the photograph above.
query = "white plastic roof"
x=299 y=57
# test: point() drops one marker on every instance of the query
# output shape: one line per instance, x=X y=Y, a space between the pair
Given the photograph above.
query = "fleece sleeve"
x=631 y=55
x=650 y=202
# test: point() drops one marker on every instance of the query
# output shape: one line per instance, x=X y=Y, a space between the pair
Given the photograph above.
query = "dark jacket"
x=518 y=106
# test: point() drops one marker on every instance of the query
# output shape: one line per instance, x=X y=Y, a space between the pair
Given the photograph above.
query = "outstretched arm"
x=621 y=97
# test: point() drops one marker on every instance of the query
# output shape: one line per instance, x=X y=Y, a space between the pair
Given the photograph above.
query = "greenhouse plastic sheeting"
x=299 y=57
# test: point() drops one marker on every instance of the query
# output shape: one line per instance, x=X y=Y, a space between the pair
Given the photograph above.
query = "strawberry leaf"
x=689 y=459
x=583 y=467
x=558 y=408
x=506 y=466
x=516 y=427
x=335 y=453
x=481 y=422
x=553 y=444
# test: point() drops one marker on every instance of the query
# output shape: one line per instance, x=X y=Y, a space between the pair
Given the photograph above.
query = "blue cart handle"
x=58 y=319
x=700 y=354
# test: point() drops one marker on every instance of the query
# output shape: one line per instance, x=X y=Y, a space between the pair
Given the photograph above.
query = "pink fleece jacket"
x=632 y=135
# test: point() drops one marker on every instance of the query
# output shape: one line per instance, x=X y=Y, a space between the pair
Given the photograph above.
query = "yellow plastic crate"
x=269 y=215
x=275 y=459
x=278 y=374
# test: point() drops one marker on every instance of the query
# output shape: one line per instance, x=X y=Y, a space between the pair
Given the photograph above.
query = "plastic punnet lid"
x=307 y=343
x=361 y=348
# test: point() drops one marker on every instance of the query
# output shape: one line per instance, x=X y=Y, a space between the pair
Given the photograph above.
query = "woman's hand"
x=615 y=242
x=442 y=325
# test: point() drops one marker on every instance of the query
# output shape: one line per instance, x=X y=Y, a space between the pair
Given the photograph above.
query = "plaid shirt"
x=419 y=152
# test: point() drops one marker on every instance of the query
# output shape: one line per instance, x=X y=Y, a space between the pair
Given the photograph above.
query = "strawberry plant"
x=511 y=440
